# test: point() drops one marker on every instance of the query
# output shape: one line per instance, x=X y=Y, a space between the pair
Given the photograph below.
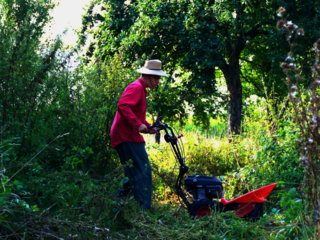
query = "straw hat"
x=152 y=67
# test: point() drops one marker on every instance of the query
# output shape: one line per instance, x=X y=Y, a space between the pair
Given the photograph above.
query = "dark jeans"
x=139 y=173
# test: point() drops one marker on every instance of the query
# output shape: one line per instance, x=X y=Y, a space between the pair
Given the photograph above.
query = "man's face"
x=154 y=79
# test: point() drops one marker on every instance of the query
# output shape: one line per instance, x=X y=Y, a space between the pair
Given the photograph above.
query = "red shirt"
x=130 y=115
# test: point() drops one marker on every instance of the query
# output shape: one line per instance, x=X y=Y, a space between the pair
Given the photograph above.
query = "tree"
x=25 y=63
x=194 y=36
x=42 y=98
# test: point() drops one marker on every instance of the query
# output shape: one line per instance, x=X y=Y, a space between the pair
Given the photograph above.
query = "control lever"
x=157 y=124
x=176 y=138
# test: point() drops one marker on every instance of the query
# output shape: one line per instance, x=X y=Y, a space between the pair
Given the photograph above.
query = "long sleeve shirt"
x=131 y=113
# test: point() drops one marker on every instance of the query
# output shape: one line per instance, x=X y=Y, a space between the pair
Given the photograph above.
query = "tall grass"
x=210 y=152
x=83 y=206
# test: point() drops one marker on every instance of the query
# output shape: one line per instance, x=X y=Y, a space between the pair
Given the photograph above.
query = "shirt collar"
x=144 y=86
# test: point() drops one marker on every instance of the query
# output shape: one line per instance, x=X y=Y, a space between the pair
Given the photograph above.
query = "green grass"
x=204 y=155
x=76 y=205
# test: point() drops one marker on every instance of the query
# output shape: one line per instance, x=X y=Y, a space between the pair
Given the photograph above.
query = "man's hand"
x=153 y=131
x=143 y=128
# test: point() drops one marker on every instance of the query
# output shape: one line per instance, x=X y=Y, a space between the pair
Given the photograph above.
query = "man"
x=129 y=122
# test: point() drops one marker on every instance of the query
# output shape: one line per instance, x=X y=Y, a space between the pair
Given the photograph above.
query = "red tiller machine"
x=207 y=191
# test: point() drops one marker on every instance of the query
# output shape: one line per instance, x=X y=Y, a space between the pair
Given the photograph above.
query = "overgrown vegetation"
x=59 y=175
x=81 y=204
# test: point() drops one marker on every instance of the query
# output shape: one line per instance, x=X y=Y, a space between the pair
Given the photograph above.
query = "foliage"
x=97 y=93
x=278 y=160
x=188 y=36
x=303 y=84
x=202 y=38
x=85 y=205
x=59 y=175
x=293 y=204
x=41 y=98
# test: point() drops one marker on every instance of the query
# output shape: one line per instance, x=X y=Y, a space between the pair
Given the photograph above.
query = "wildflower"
x=281 y=24
x=318 y=44
x=287 y=66
x=291 y=27
x=303 y=159
x=284 y=65
x=290 y=59
x=294 y=88
x=288 y=37
x=310 y=140
x=305 y=148
x=288 y=79
x=314 y=119
x=281 y=10
x=293 y=94
x=300 y=31
x=291 y=65
x=317 y=82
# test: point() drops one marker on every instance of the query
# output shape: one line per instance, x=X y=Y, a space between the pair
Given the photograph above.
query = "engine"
x=204 y=187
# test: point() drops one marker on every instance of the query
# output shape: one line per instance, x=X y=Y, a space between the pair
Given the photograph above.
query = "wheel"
x=202 y=208
x=255 y=214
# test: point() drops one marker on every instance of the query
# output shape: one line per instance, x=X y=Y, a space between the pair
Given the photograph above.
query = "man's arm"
x=129 y=99
x=146 y=123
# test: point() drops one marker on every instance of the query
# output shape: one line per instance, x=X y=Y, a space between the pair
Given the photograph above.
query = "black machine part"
x=204 y=187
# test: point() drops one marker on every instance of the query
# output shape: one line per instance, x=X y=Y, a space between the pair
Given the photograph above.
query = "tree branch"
x=255 y=85
x=211 y=2
x=255 y=32
x=250 y=62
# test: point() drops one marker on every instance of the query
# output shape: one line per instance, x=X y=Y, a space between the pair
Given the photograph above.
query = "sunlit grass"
x=208 y=152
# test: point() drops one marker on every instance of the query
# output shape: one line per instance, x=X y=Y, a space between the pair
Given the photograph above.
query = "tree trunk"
x=232 y=75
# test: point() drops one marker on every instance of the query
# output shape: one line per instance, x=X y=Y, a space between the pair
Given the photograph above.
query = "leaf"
x=1 y=201
x=5 y=193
